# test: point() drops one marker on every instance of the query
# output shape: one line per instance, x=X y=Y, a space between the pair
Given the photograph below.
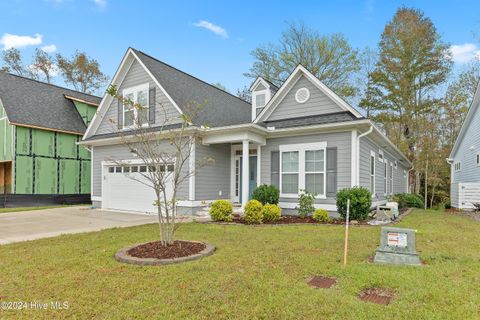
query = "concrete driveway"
x=30 y=225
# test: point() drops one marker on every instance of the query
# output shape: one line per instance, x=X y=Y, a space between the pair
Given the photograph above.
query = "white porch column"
x=259 y=164
x=245 y=171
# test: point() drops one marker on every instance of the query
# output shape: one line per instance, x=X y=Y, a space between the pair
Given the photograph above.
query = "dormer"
x=262 y=91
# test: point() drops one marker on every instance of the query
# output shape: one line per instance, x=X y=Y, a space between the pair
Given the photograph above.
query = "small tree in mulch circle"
x=163 y=148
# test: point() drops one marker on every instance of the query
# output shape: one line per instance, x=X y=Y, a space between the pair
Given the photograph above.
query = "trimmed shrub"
x=221 y=210
x=266 y=194
x=408 y=200
x=321 y=215
x=305 y=203
x=271 y=212
x=253 y=212
x=360 y=202
x=448 y=205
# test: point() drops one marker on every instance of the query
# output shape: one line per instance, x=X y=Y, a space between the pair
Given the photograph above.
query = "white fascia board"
x=257 y=81
x=156 y=82
x=283 y=90
x=466 y=123
x=273 y=103
x=107 y=99
x=390 y=143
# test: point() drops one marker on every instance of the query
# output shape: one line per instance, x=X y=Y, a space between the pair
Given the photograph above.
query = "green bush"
x=408 y=200
x=271 y=212
x=253 y=212
x=360 y=202
x=221 y=210
x=305 y=203
x=266 y=194
x=448 y=205
x=321 y=215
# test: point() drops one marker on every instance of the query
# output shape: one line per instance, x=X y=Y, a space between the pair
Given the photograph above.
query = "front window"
x=315 y=171
x=136 y=114
x=260 y=100
x=290 y=172
x=303 y=167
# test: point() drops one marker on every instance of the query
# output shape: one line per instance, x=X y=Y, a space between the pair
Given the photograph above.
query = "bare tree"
x=165 y=151
x=82 y=72
x=12 y=60
x=43 y=63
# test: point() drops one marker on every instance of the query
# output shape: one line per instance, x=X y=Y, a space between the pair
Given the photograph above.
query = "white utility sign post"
x=346 y=234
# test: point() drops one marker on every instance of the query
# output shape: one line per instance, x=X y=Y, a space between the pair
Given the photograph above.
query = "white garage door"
x=122 y=189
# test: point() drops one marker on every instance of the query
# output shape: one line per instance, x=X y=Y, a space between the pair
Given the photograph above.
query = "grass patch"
x=4 y=210
x=257 y=272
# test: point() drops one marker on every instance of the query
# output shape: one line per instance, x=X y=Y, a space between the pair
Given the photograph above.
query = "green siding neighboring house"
x=39 y=155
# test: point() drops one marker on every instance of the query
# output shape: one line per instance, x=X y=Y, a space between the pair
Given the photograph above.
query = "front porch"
x=245 y=176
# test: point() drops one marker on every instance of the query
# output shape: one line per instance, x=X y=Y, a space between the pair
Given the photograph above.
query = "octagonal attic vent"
x=302 y=95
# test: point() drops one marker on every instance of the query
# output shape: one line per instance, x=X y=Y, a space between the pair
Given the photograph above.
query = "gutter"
x=357 y=169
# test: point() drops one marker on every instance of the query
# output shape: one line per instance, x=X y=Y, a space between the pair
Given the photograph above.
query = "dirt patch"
x=158 y=251
x=376 y=295
x=474 y=215
x=322 y=282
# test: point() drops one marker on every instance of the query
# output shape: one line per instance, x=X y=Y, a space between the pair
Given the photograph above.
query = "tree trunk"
x=426 y=184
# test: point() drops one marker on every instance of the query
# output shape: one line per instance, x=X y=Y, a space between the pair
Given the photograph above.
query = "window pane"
x=290 y=161
x=290 y=183
x=314 y=161
x=170 y=168
x=118 y=169
x=143 y=168
x=126 y=169
x=259 y=110
x=314 y=183
x=142 y=115
x=142 y=98
x=135 y=169
x=128 y=120
x=111 y=169
x=260 y=100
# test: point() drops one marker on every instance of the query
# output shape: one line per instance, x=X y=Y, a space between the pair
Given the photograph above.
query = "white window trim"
x=380 y=153
x=391 y=178
x=372 y=188
x=457 y=166
x=135 y=89
x=267 y=94
x=301 y=148
x=396 y=164
x=385 y=178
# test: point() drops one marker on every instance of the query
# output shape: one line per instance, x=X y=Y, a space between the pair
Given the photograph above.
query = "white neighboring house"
x=465 y=160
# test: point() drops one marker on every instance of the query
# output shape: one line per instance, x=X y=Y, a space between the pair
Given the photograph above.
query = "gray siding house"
x=299 y=136
x=464 y=160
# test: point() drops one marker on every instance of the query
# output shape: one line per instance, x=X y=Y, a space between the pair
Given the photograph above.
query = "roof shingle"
x=33 y=103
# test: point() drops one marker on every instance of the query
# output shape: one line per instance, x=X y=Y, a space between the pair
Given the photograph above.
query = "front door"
x=252 y=177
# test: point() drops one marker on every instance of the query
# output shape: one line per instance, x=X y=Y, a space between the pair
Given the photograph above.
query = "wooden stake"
x=345 y=250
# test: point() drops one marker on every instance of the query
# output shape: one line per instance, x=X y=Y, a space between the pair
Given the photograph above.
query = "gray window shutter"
x=151 y=105
x=331 y=172
x=120 y=114
x=275 y=169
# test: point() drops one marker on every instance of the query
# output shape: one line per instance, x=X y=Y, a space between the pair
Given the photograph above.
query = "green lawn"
x=257 y=272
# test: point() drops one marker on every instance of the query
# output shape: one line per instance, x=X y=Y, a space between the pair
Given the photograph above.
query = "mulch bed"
x=474 y=215
x=158 y=251
x=376 y=295
x=322 y=282
x=295 y=219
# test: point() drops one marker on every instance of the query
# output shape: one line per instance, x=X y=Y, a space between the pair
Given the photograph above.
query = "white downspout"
x=357 y=178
